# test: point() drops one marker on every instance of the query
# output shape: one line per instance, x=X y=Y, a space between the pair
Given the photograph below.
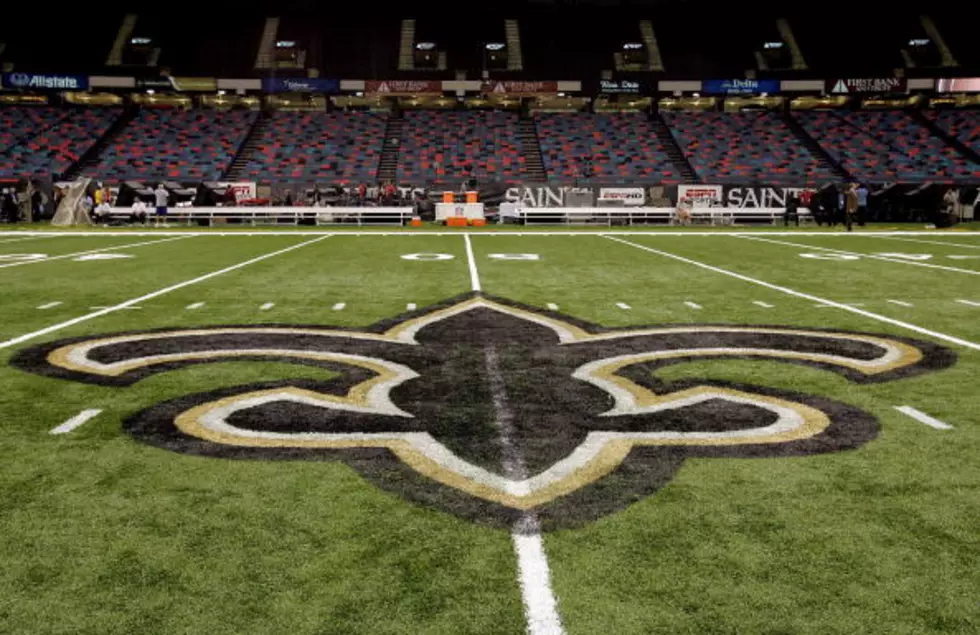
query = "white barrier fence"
x=644 y=215
x=279 y=215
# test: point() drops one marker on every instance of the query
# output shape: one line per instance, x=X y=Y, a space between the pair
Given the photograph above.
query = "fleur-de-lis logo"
x=488 y=409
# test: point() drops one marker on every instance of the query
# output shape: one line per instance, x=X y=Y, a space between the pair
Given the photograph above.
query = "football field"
x=480 y=433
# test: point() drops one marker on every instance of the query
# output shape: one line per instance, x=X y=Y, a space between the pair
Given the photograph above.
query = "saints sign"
x=489 y=409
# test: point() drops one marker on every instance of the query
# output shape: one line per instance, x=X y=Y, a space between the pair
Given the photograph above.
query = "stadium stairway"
x=817 y=150
x=527 y=134
x=391 y=148
x=247 y=148
x=946 y=138
x=91 y=157
x=674 y=152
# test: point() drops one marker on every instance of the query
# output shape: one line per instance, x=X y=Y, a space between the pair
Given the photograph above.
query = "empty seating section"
x=57 y=147
x=744 y=146
x=963 y=125
x=883 y=146
x=45 y=140
x=177 y=144
x=338 y=146
x=603 y=148
x=441 y=146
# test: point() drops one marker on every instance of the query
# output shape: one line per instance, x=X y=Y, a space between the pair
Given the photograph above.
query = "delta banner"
x=739 y=86
x=959 y=85
x=402 y=87
x=178 y=84
x=623 y=87
x=867 y=86
x=300 y=85
x=42 y=81
x=519 y=88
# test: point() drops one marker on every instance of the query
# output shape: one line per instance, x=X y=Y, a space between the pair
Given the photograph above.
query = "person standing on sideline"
x=850 y=206
x=862 y=211
x=162 y=197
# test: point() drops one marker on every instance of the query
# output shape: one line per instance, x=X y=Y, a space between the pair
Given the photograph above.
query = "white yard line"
x=922 y=417
x=693 y=305
x=49 y=305
x=902 y=261
x=806 y=296
x=623 y=306
x=196 y=305
x=340 y=306
x=127 y=308
x=764 y=305
x=930 y=242
x=22 y=238
x=154 y=294
x=969 y=302
x=900 y=303
x=533 y=572
x=471 y=260
x=267 y=306
x=92 y=251
x=80 y=419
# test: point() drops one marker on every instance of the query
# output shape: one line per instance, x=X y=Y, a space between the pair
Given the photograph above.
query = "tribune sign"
x=866 y=86
x=402 y=87
x=41 y=81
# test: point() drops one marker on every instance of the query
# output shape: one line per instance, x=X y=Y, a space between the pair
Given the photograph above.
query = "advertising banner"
x=623 y=87
x=761 y=196
x=164 y=82
x=244 y=190
x=634 y=196
x=866 y=86
x=519 y=88
x=402 y=87
x=300 y=85
x=43 y=81
x=701 y=195
x=739 y=86
x=959 y=85
x=532 y=195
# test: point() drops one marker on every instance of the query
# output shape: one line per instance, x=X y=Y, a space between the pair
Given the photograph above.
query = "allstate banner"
x=44 y=81
x=739 y=86
x=300 y=85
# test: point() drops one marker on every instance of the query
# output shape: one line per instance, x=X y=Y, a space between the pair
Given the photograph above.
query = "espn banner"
x=244 y=190
x=701 y=195
x=519 y=88
x=625 y=195
x=867 y=86
x=402 y=87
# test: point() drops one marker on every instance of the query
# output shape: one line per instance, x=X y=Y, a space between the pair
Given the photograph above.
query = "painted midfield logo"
x=488 y=409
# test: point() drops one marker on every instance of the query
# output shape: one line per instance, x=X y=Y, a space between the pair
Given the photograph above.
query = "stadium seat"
x=56 y=142
x=442 y=146
x=749 y=146
x=339 y=146
x=602 y=148
x=175 y=144
x=962 y=125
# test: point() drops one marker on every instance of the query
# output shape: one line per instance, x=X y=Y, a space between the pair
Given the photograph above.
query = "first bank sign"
x=38 y=81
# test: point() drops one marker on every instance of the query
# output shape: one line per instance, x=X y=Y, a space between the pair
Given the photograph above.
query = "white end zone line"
x=806 y=296
x=862 y=255
x=154 y=294
x=93 y=251
x=930 y=242
x=922 y=417
x=471 y=260
x=80 y=419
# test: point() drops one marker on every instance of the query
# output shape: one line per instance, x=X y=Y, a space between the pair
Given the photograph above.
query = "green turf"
x=105 y=535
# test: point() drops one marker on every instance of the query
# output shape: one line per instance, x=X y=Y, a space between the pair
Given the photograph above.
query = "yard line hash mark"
x=552 y=306
x=80 y=419
x=623 y=306
x=49 y=305
x=806 y=296
x=764 y=305
x=411 y=306
x=267 y=306
x=339 y=306
x=922 y=417
x=693 y=305
x=900 y=303
x=196 y=305
x=969 y=302
x=155 y=294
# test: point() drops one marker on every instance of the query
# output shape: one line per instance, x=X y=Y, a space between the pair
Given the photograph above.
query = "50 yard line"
x=154 y=294
x=806 y=296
